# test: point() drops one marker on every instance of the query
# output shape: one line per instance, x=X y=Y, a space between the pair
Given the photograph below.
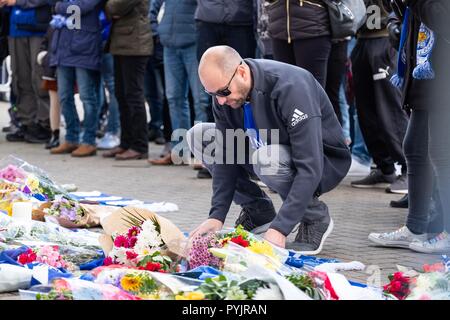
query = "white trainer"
x=438 y=244
x=400 y=238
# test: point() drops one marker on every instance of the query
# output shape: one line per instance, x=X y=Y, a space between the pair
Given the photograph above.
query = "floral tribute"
x=48 y=255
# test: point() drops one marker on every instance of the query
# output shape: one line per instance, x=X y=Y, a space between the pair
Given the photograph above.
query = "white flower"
x=119 y=255
x=271 y=293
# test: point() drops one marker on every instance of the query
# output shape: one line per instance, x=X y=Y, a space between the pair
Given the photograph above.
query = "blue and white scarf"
x=425 y=45
x=250 y=127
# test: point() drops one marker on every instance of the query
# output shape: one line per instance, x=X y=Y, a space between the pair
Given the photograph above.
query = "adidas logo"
x=297 y=117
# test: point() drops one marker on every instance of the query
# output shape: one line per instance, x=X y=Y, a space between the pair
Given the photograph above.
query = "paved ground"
x=356 y=212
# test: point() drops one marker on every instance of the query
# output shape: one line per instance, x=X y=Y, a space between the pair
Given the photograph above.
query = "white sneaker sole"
x=325 y=236
x=371 y=186
x=397 y=191
x=421 y=249
x=390 y=244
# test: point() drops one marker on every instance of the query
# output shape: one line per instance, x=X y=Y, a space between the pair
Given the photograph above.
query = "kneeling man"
x=294 y=144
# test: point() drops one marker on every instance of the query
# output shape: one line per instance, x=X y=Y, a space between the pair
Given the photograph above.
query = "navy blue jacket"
x=29 y=18
x=177 y=27
x=319 y=153
x=79 y=48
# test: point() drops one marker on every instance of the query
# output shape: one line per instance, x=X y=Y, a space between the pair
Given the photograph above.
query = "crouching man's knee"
x=272 y=160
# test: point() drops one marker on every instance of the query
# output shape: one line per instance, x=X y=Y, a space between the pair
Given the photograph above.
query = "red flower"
x=396 y=286
x=28 y=256
x=121 y=241
x=133 y=231
x=240 y=241
x=131 y=255
x=107 y=261
x=132 y=242
x=152 y=266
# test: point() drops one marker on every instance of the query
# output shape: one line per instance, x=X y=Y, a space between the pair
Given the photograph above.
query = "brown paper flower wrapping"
x=172 y=236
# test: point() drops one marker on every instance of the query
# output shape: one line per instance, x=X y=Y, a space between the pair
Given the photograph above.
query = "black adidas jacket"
x=319 y=152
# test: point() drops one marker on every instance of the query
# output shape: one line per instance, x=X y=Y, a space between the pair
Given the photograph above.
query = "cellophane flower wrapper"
x=25 y=174
x=76 y=289
x=145 y=284
x=78 y=247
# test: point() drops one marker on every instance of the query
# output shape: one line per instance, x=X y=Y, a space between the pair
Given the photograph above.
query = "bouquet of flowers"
x=141 y=246
x=399 y=286
x=306 y=282
x=48 y=255
x=69 y=213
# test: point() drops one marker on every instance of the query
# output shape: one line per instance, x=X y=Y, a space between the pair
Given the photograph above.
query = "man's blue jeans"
x=113 y=106
x=88 y=82
x=181 y=73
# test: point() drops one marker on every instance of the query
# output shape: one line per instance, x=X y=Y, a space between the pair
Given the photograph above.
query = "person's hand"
x=275 y=237
x=8 y=3
x=40 y=57
x=210 y=225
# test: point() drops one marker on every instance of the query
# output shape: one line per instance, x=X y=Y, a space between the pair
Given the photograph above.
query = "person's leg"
x=126 y=123
x=208 y=35
x=66 y=82
x=108 y=79
x=392 y=119
x=22 y=80
x=283 y=51
x=316 y=63
x=343 y=106
x=242 y=39
x=133 y=76
x=200 y=97
x=366 y=108
x=420 y=173
x=55 y=110
x=154 y=94
x=335 y=75
x=88 y=82
x=248 y=194
x=177 y=88
x=41 y=96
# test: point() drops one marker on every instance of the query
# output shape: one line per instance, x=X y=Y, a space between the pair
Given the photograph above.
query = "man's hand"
x=210 y=225
x=275 y=237
x=8 y=3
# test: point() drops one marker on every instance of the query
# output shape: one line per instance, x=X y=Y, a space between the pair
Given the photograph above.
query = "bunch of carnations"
x=13 y=174
x=399 y=286
x=140 y=247
x=199 y=253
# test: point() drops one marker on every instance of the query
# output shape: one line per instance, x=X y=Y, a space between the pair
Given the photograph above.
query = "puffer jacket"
x=297 y=19
x=131 y=33
x=177 y=27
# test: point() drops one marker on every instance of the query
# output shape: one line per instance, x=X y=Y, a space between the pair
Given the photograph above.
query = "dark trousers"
x=382 y=120
x=129 y=76
x=310 y=54
x=335 y=74
x=423 y=217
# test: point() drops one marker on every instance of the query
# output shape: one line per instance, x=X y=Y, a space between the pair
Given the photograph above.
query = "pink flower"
x=132 y=242
x=121 y=241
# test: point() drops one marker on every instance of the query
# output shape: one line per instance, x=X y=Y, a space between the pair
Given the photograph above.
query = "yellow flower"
x=262 y=247
x=191 y=296
x=32 y=182
x=130 y=283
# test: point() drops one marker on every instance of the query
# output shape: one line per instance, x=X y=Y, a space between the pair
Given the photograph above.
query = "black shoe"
x=376 y=179
x=256 y=219
x=311 y=237
x=37 y=134
x=401 y=203
x=203 y=174
x=7 y=129
x=17 y=136
x=54 y=141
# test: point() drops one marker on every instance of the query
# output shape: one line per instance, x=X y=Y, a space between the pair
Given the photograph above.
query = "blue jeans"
x=181 y=72
x=108 y=81
x=154 y=93
x=345 y=117
x=88 y=82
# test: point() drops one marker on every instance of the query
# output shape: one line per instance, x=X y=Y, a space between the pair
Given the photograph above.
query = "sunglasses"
x=225 y=92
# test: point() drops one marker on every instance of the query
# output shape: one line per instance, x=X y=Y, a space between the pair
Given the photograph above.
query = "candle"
x=22 y=211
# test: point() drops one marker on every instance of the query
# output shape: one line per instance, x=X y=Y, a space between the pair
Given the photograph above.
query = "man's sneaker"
x=400 y=185
x=37 y=134
x=400 y=238
x=438 y=244
x=108 y=142
x=256 y=220
x=311 y=237
x=17 y=136
x=203 y=174
x=376 y=179
x=403 y=202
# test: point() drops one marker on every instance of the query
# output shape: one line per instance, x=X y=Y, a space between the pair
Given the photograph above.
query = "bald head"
x=219 y=61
